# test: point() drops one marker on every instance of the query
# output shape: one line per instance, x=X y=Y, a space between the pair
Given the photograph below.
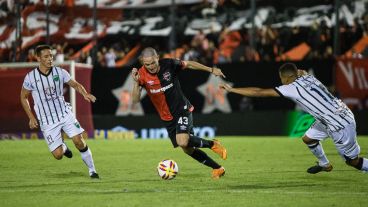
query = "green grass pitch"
x=260 y=171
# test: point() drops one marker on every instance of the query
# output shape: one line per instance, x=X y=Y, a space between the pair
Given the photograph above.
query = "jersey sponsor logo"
x=150 y=82
x=50 y=91
x=52 y=98
x=167 y=76
x=163 y=89
x=55 y=78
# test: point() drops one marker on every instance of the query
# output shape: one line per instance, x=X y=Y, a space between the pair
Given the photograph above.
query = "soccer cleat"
x=217 y=173
x=219 y=149
x=94 y=175
x=68 y=153
x=317 y=168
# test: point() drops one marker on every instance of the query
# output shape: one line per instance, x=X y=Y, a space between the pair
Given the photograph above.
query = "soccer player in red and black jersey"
x=159 y=77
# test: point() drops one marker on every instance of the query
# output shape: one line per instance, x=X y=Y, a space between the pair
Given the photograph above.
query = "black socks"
x=198 y=142
x=203 y=158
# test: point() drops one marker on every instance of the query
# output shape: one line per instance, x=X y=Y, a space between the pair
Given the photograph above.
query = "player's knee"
x=188 y=150
x=79 y=142
x=58 y=156
x=308 y=140
x=182 y=141
x=80 y=145
x=58 y=153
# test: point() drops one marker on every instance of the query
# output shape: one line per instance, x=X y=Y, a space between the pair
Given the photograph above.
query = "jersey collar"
x=48 y=73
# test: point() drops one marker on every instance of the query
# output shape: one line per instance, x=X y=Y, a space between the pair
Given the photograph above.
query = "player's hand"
x=33 y=124
x=218 y=72
x=225 y=86
x=90 y=98
x=135 y=74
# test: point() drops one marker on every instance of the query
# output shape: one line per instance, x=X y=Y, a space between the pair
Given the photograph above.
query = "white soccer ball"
x=167 y=169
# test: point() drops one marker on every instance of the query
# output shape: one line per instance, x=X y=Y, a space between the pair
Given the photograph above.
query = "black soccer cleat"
x=68 y=153
x=317 y=168
x=94 y=175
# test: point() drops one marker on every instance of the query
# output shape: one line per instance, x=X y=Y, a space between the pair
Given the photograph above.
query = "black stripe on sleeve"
x=277 y=91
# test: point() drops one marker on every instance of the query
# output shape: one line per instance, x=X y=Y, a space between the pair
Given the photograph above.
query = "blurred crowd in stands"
x=211 y=47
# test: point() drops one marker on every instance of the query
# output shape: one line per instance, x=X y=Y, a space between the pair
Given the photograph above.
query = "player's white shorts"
x=52 y=133
x=345 y=139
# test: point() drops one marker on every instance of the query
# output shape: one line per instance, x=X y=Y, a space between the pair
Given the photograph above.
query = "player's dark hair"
x=288 y=69
x=39 y=48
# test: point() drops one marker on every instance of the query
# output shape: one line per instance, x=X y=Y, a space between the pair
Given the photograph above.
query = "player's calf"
x=79 y=142
x=359 y=163
x=58 y=153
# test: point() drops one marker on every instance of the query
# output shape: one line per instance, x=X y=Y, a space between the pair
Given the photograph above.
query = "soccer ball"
x=167 y=169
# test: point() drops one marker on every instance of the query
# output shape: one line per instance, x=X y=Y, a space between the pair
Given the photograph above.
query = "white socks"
x=64 y=147
x=365 y=165
x=88 y=160
x=317 y=150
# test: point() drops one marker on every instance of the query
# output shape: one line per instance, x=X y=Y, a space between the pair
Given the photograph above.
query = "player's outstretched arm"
x=250 y=91
x=198 y=66
x=24 y=94
x=136 y=92
x=79 y=87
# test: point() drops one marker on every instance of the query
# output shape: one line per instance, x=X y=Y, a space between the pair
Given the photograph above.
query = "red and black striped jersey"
x=164 y=88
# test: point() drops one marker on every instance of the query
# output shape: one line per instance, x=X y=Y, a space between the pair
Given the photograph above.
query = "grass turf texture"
x=261 y=171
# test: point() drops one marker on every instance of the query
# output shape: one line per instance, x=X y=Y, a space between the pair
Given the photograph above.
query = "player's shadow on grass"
x=69 y=175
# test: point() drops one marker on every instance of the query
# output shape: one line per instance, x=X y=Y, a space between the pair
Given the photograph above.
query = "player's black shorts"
x=180 y=124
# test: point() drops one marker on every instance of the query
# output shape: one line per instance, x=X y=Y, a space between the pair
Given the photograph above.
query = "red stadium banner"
x=71 y=24
x=74 y=24
x=352 y=81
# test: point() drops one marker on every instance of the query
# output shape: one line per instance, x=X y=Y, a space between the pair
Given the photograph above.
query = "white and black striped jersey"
x=47 y=92
x=313 y=97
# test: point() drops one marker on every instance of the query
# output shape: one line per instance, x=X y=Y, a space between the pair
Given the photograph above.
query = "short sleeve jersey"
x=312 y=96
x=164 y=88
x=48 y=94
